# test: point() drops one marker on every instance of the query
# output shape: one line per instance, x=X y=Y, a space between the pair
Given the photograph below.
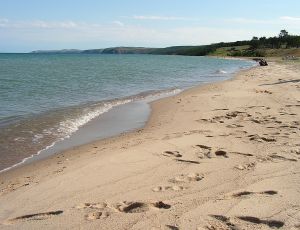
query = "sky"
x=27 y=25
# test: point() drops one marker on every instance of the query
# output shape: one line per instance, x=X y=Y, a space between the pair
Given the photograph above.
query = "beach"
x=218 y=156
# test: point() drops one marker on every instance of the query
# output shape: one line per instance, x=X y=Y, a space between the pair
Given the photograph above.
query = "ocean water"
x=45 y=98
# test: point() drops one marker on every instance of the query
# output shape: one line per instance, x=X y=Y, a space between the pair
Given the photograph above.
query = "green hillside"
x=236 y=51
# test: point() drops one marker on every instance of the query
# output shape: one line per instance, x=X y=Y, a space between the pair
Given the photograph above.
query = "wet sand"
x=120 y=119
x=219 y=156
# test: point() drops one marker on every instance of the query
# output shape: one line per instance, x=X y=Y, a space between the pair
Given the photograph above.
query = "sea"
x=52 y=102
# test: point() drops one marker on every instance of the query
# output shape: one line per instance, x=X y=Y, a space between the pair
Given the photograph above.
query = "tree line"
x=256 y=46
x=283 y=40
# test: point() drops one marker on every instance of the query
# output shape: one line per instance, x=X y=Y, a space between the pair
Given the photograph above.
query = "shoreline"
x=32 y=159
x=197 y=151
x=60 y=145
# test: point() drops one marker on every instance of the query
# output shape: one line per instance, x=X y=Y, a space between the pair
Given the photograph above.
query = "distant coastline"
x=279 y=46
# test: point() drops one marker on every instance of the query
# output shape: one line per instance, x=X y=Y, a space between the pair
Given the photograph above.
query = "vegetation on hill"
x=283 y=44
x=120 y=50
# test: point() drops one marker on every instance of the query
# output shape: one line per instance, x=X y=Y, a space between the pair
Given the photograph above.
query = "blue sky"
x=83 y=24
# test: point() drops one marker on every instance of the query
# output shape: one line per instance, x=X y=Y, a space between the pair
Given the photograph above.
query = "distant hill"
x=281 y=45
x=173 y=50
x=128 y=50
x=64 y=51
x=113 y=50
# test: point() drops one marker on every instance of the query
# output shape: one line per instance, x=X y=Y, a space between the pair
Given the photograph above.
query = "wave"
x=220 y=71
x=70 y=126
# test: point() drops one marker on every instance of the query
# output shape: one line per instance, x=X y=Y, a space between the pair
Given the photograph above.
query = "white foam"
x=158 y=95
x=37 y=137
x=221 y=71
x=19 y=139
x=70 y=126
x=27 y=158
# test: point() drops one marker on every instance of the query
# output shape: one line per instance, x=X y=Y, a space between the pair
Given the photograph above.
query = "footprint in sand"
x=263 y=91
x=234 y=126
x=227 y=116
x=177 y=155
x=13 y=186
x=181 y=179
x=172 y=227
x=187 y=178
x=221 y=153
x=96 y=215
x=188 y=161
x=206 y=152
x=139 y=207
x=168 y=188
x=250 y=219
x=234 y=114
x=296 y=151
x=244 y=194
x=261 y=139
x=203 y=151
x=273 y=157
x=35 y=216
x=278 y=157
x=172 y=154
x=95 y=210
x=225 y=223
x=247 y=166
x=255 y=220
x=100 y=205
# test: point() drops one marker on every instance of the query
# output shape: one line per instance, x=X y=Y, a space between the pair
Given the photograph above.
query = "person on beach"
x=263 y=62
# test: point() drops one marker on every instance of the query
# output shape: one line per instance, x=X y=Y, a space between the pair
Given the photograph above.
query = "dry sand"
x=219 y=156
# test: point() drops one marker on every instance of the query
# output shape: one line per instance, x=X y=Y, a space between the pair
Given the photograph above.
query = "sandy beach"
x=218 y=156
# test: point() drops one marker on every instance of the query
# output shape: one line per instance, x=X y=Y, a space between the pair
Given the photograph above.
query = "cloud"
x=38 y=24
x=162 y=18
x=118 y=23
x=281 y=21
x=53 y=25
x=3 y=22
x=288 y=18
x=198 y=35
x=68 y=34
x=250 y=21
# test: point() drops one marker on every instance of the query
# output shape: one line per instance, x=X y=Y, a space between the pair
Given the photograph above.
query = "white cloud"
x=288 y=18
x=250 y=21
x=38 y=24
x=281 y=21
x=118 y=23
x=164 y=18
x=53 y=25
x=208 y=35
x=3 y=22
x=112 y=34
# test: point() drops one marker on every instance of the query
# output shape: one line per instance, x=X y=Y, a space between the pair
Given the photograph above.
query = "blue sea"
x=46 y=98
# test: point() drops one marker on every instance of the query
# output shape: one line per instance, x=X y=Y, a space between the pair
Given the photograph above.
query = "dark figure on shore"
x=263 y=62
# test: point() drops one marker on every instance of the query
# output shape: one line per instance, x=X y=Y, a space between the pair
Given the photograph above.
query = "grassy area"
x=282 y=52
x=229 y=51
x=235 y=51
